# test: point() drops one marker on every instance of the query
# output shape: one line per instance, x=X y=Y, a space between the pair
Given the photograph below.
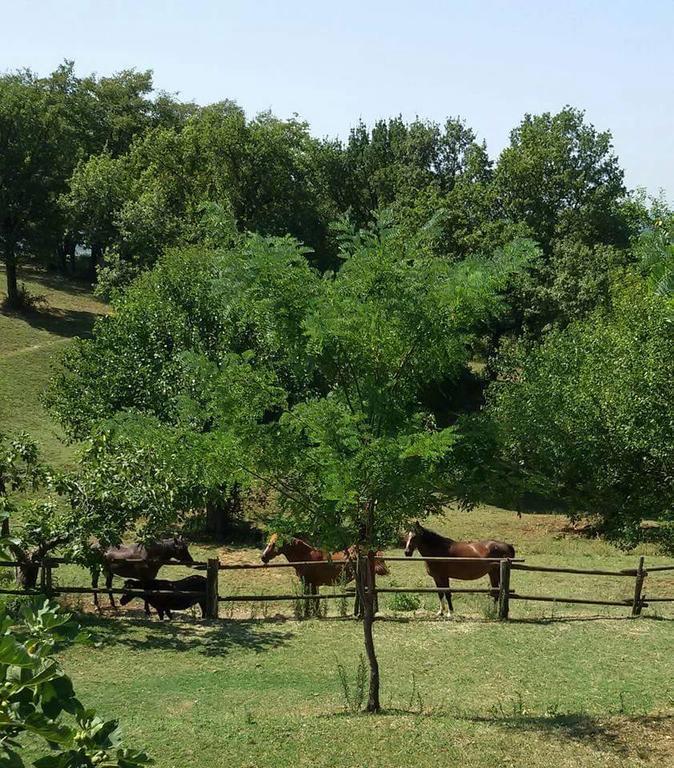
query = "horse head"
x=272 y=550
x=126 y=598
x=412 y=539
x=179 y=550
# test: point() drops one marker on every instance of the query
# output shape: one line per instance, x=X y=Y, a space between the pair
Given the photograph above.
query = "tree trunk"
x=94 y=260
x=373 y=704
x=366 y=589
x=12 y=287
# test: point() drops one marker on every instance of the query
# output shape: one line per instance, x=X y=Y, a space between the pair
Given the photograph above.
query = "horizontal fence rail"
x=213 y=566
x=517 y=566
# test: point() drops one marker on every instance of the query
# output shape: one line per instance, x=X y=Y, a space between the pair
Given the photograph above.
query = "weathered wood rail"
x=504 y=594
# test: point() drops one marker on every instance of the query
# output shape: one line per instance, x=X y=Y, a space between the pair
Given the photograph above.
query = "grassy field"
x=559 y=685
x=30 y=344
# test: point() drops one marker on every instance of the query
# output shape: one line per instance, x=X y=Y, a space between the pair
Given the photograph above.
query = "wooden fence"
x=213 y=567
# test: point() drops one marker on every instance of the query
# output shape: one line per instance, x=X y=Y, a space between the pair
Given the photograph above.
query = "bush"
x=403 y=602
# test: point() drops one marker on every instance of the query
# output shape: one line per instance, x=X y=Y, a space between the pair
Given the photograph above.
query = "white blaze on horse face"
x=408 y=545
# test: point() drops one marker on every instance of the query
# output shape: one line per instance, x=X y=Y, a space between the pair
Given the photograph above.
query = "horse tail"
x=380 y=567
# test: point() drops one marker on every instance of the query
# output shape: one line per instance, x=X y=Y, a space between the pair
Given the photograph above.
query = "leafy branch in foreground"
x=36 y=698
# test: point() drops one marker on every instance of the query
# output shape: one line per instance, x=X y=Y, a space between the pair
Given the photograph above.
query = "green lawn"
x=30 y=345
x=556 y=686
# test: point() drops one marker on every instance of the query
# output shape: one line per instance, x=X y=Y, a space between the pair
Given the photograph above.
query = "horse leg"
x=495 y=579
x=95 y=572
x=442 y=583
x=108 y=586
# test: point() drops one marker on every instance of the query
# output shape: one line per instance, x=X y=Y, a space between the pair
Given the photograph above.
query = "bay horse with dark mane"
x=341 y=569
x=432 y=544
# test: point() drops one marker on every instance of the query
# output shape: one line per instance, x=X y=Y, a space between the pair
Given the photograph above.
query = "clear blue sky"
x=335 y=62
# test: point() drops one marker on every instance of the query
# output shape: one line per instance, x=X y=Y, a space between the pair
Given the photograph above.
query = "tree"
x=586 y=418
x=38 y=701
x=32 y=148
x=363 y=457
x=561 y=177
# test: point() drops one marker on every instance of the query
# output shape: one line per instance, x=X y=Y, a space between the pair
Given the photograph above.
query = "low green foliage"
x=38 y=702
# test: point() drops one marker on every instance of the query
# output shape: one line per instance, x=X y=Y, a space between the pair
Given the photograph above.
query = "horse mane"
x=433 y=538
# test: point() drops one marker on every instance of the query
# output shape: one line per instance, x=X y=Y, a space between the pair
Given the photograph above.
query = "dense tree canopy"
x=587 y=417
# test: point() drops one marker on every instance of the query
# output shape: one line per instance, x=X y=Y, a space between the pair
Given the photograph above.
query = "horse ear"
x=417 y=527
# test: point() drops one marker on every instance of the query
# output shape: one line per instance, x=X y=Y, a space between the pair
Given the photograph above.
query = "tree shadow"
x=66 y=323
x=622 y=735
x=210 y=638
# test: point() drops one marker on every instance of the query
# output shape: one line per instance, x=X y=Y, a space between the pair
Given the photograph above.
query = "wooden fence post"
x=47 y=577
x=357 y=604
x=212 y=572
x=504 y=590
x=638 y=586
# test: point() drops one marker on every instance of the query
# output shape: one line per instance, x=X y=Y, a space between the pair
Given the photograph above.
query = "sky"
x=333 y=63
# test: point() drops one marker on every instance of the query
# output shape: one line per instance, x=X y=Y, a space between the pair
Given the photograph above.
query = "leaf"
x=13 y=652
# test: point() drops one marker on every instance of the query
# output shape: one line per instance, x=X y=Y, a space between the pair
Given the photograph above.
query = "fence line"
x=213 y=567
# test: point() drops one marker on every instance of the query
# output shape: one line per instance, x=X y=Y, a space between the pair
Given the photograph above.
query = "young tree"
x=364 y=456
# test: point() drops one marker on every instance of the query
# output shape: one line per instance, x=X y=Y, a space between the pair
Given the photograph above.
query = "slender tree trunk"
x=94 y=261
x=366 y=588
x=373 y=704
x=12 y=287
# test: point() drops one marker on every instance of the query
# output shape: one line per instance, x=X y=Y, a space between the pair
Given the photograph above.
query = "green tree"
x=32 y=146
x=586 y=418
x=362 y=457
x=561 y=177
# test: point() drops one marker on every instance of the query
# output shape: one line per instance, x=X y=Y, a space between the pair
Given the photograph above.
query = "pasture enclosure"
x=504 y=594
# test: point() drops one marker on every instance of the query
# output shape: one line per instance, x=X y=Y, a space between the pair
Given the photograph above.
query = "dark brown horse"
x=431 y=544
x=146 y=560
x=341 y=569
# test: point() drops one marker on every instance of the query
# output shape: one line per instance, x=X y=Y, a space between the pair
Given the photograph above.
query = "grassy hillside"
x=30 y=344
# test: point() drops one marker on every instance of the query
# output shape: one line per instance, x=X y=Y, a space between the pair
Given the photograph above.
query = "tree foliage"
x=586 y=417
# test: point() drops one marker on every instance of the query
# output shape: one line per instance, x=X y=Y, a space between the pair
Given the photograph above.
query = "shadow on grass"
x=214 y=638
x=623 y=735
x=67 y=323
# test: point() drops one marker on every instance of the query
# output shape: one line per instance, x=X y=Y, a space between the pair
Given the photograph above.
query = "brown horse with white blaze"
x=432 y=544
x=340 y=569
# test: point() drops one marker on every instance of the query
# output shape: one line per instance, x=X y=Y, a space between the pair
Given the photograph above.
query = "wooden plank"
x=396 y=559
x=504 y=591
x=279 y=598
x=652 y=568
x=659 y=600
x=117 y=591
x=638 y=585
x=434 y=590
x=580 y=601
x=212 y=570
x=582 y=571
x=256 y=566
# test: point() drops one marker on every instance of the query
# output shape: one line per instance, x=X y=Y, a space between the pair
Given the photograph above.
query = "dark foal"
x=431 y=544
x=166 y=603
x=146 y=559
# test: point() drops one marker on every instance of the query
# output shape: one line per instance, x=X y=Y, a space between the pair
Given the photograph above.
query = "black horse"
x=146 y=560
x=165 y=603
